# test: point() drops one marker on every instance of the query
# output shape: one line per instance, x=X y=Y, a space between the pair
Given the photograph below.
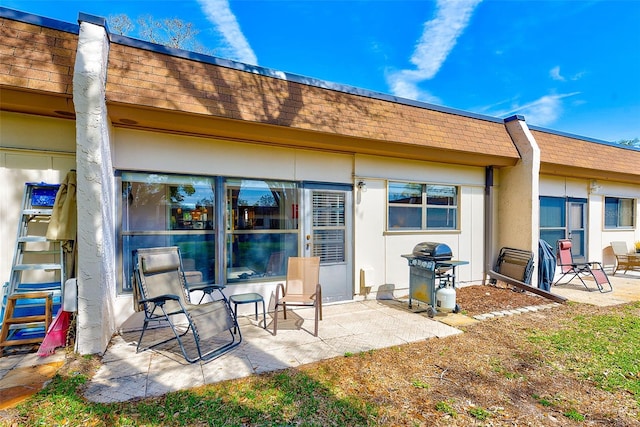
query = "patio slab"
x=346 y=328
x=626 y=288
x=23 y=375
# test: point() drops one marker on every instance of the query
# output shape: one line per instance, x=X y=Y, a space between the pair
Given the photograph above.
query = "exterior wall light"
x=362 y=186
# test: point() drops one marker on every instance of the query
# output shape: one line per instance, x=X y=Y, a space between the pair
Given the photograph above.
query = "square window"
x=415 y=206
x=619 y=213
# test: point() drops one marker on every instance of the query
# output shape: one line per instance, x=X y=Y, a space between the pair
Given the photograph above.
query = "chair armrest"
x=596 y=263
x=160 y=299
x=279 y=287
x=206 y=287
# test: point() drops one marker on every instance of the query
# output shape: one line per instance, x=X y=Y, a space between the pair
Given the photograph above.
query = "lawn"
x=571 y=365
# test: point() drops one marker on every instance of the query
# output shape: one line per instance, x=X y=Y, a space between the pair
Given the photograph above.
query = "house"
x=242 y=166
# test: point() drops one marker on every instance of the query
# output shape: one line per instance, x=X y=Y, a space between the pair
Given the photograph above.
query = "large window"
x=414 y=206
x=169 y=210
x=254 y=221
x=619 y=212
x=262 y=228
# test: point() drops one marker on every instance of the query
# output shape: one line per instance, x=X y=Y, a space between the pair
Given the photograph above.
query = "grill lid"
x=432 y=251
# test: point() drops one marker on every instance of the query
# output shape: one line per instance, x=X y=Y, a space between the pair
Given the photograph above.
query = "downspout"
x=488 y=221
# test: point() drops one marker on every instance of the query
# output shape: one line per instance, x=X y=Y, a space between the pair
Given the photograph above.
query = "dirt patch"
x=479 y=299
x=491 y=375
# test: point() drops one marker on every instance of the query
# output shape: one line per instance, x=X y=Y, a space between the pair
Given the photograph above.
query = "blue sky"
x=571 y=66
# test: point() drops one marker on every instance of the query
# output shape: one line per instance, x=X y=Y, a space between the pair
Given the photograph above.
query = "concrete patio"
x=346 y=328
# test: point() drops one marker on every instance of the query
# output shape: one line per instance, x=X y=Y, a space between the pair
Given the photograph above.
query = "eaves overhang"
x=583 y=173
x=170 y=121
x=50 y=104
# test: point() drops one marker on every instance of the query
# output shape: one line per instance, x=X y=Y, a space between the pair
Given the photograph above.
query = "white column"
x=95 y=190
x=519 y=193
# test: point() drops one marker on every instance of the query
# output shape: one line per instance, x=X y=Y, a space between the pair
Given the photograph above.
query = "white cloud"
x=542 y=112
x=438 y=38
x=219 y=13
x=555 y=74
x=578 y=76
x=405 y=84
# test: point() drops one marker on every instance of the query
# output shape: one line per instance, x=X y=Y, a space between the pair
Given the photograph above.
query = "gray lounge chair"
x=166 y=299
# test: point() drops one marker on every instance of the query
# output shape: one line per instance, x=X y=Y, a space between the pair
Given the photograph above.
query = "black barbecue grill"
x=430 y=267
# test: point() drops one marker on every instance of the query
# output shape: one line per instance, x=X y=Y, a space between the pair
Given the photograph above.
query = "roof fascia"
x=16 y=15
x=583 y=138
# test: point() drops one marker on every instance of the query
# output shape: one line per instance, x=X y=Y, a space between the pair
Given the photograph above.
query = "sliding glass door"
x=564 y=218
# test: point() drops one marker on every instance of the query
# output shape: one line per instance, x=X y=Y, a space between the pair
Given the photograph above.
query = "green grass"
x=446 y=407
x=543 y=401
x=284 y=398
x=496 y=366
x=574 y=415
x=420 y=384
x=479 y=413
x=601 y=348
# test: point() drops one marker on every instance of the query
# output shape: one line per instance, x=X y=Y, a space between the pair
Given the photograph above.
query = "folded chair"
x=166 y=299
x=302 y=288
x=624 y=258
x=580 y=270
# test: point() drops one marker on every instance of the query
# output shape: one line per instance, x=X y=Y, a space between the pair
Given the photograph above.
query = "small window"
x=413 y=206
x=619 y=212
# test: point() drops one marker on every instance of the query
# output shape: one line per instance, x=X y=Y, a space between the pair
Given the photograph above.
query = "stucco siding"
x=22 y=159
x=153 y=152
x=95 y=194
x=594 y=191
x=556 y=186
x=16 y=168
x=25 y=131
x=378 y=251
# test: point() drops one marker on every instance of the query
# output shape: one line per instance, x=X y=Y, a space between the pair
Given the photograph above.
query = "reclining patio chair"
x=580 y=270
x=166 y=298
x=625 y=258
x=302 y=288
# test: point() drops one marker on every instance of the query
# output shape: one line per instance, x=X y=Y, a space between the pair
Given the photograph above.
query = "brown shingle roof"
x=36 y=58
x=157 y=80
x=561 y=154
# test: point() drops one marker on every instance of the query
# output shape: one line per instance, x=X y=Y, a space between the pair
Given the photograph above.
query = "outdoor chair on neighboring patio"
x=166 y=298
x=302 y=288
x=580 y=269
x=625 y=258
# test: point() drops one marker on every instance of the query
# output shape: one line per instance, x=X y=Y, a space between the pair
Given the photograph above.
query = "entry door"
x=327 y=234
x=576 y=228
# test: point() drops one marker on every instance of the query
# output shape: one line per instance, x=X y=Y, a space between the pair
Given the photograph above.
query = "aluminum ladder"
x=35 y=287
